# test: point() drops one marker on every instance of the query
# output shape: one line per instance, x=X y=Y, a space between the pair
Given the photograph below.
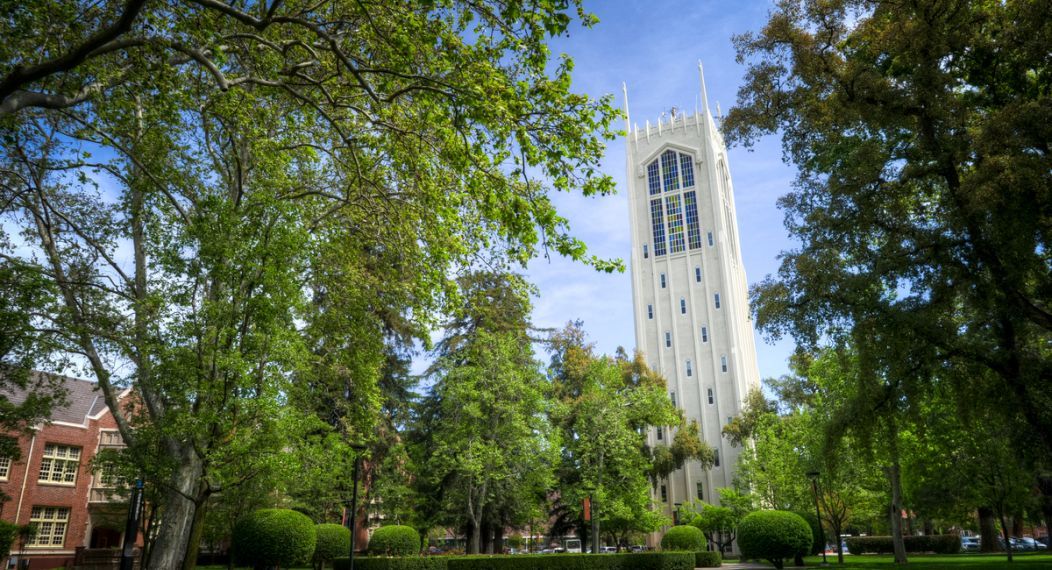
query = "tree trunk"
x=498 y=538
x=197 y=528
x=486 y=537
x=1004 y=531
x=987 y=530
x=177 y=520
x=895 y=511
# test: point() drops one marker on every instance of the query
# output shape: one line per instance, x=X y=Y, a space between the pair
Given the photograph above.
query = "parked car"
x=607 y=549
x=1027 y=544
x=970 y=543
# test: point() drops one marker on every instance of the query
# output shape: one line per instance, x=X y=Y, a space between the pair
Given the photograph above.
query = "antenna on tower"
x=628 y=123
x=704 y=94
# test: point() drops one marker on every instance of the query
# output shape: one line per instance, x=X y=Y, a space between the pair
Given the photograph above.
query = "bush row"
x=629 y=561
x=939 y=544
x=703 y=559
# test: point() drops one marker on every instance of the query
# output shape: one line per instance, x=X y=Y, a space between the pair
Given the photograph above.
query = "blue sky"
x=654 y=47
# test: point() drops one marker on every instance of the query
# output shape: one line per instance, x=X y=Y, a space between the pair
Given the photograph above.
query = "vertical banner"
x=131 y=529
x=587 y=509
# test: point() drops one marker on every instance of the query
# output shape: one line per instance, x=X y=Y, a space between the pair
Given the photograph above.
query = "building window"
x=697 y=274
x=717 y=462
x=664 y=494
x=661 y=278
x=717 y=298
x=646 y=254
x=729 y=419
x=674 y=215
x=654 y=178
x=59 y=464
x=711 y=242
x=701 y=491
x=5 y=468
x=672 y=396
x=704 y=334
x=657 y=220
x=690 y=206
x=711 y=399
x=723 y=362
x=50 y=523
x=670 y=170
x=660 y=433
x=690 y=369
x=687 y=169
x=650 y=311
x=668 y=339
x=682 y=305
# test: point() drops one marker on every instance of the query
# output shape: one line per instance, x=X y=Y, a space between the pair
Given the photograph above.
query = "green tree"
x=189 y=174
x=604 y=407
x=719 y=523
x=920 y=132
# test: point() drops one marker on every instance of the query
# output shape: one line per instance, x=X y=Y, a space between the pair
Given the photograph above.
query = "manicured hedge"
x=334 y=541
x=704 y=559
x=394 y=540
x=628 y=561
x=938 y=543
x=683 y=537
x=774 y=536
x=389 y=563
x=274 y=537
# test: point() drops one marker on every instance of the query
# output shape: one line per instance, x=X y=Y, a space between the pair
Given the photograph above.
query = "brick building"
x=53 y=486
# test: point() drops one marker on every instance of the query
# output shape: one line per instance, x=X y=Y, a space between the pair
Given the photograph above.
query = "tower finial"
x=704 y=94
x=628 y=122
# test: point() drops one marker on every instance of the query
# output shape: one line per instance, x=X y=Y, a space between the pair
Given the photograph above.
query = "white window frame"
x=51 y=525
x=59 y=465
x=5 y=468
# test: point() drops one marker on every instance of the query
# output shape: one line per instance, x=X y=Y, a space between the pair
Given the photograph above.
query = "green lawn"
x=940 y=562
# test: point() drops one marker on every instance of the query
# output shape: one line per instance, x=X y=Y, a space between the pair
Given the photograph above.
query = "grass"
x=1026 y=561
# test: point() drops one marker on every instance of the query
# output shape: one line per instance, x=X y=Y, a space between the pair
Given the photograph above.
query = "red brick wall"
x=44 y=494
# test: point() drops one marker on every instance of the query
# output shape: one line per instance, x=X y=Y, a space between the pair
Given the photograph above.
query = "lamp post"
x=813 y=476
x=675 y=513
x=353 y=514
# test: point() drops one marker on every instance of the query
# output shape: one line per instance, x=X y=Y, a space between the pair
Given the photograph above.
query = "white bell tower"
x=689 y=291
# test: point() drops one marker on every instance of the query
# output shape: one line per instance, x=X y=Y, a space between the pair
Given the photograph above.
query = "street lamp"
x=358 y=449
x=813 y=476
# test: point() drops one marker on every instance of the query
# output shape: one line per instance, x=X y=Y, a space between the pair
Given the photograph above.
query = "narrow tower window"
x=657 y=220
x=664 y=494
x=711 y=399
x=711 y=242
x=672 y=396
x=717 y=462
x=690 y=369
x=723 y=362
x=704 y=333
x=662 y=279
x=646 y=254
x=697 y=274
x=660 y=433
x=701 y=491
x=668 y=339
x=650 y=311
x=717 y=298
x=682 y=305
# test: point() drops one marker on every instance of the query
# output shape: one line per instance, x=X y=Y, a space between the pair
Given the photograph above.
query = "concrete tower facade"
x=689 y=291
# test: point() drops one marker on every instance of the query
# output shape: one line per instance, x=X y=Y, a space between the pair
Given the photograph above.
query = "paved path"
x=744 y=565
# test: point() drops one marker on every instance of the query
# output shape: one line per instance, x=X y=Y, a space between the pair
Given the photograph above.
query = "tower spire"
x=704 y=93
x=628 y=122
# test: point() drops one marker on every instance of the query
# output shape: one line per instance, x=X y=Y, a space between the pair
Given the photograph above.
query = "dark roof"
x=84 y=398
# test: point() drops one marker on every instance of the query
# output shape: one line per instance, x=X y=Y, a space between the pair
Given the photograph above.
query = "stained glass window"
x=657 y=220
x=654 y=178
x=670 y=170
x=687 y=167
x=690 y=203
x=674 y=214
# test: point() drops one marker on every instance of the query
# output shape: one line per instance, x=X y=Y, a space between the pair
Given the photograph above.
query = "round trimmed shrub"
x=274 y=537
x=683 y=537
x=394 y=540
x=773 y=536
x=334 y=541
